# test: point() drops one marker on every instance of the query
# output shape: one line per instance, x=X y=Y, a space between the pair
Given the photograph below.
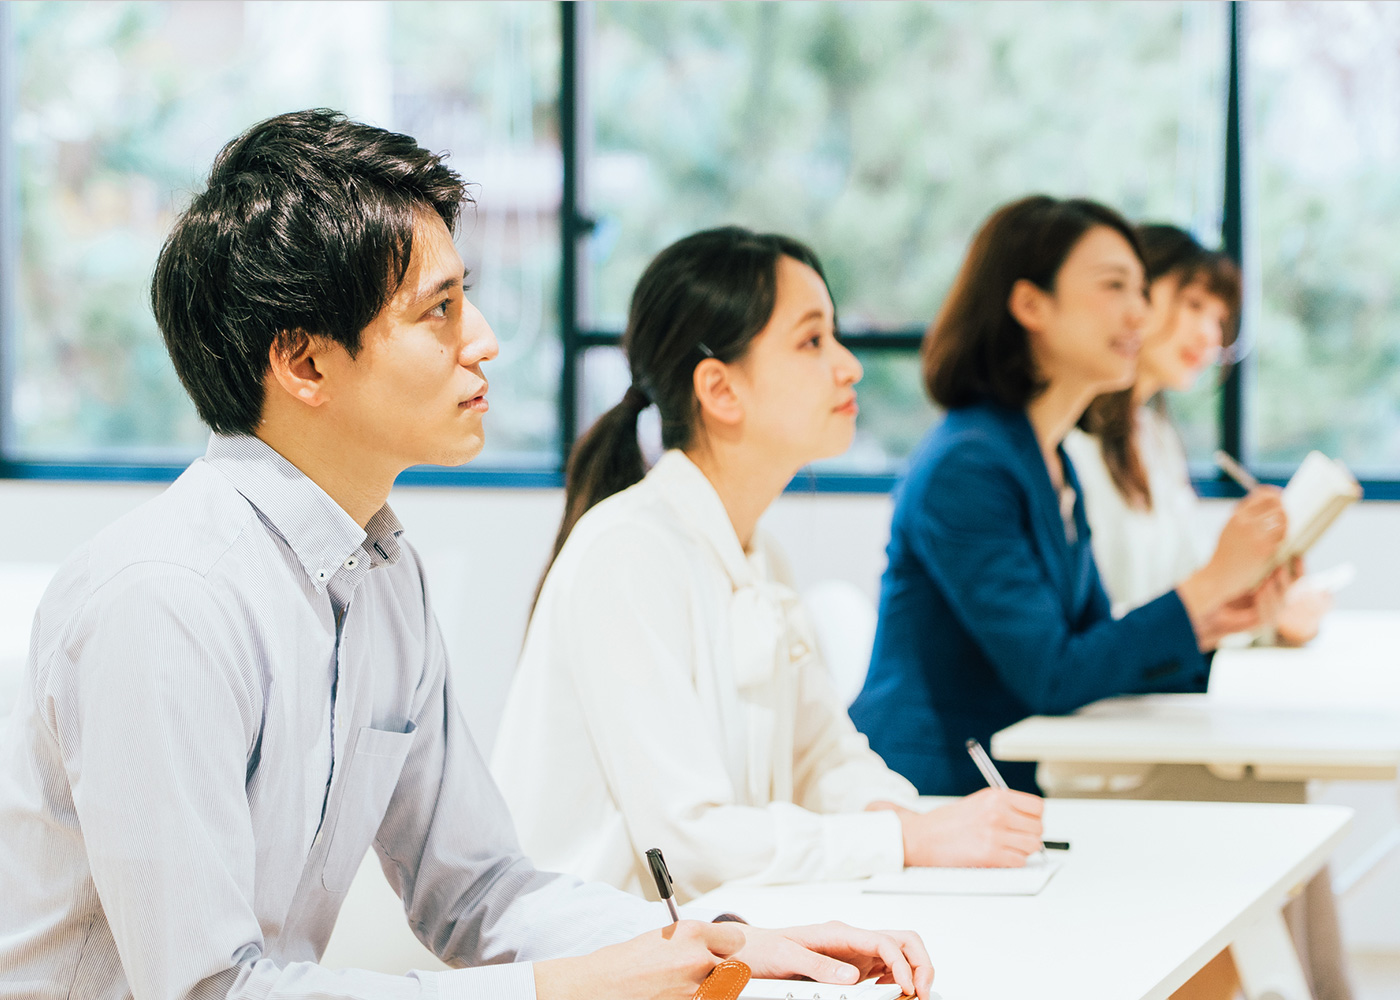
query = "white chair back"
x=844 y=620
x=21 y=587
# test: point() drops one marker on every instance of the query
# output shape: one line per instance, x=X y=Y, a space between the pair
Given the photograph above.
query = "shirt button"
x=321 y=575
x=352 y=562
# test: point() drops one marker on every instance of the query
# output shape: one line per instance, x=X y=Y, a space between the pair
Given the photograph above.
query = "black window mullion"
x=9 y=236
x=1232 y=233
x=570 y=230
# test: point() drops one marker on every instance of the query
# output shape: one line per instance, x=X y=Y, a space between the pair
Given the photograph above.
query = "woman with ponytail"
x=670 y=692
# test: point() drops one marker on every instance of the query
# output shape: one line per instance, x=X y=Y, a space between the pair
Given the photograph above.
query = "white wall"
x=484 y=550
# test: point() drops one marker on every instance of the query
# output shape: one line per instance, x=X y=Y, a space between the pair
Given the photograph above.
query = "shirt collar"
x=317 y=529
x=693 y=496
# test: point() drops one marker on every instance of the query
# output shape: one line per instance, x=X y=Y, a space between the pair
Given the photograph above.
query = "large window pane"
x=118 y=111
x=884 y=133
x=1324 y=149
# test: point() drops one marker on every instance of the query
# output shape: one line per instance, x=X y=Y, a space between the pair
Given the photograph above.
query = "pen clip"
x=659 y=873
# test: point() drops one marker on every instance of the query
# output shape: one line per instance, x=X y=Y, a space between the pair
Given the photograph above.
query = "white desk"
x=1354 y=663
x=1273 y=719
x=1150 y=892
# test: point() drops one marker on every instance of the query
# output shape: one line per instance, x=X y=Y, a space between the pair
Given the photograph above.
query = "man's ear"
x=293 y=364
x=714 y=390
x=1028 y=304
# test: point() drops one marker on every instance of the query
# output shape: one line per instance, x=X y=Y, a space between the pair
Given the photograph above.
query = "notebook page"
x=1314 y=496
x=1027 y=881
x=792 y=989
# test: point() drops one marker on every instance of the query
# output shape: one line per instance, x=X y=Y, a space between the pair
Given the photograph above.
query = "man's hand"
x=670 y=964
x=993 y=828
x=834 y=952
x=666 y=964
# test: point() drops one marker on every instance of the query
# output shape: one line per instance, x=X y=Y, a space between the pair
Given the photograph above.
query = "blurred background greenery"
x=881 y=134
x=119 y=110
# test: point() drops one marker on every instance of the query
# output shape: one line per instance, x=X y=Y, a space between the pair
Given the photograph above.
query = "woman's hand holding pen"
x=1226 y=595
x=993 y=828
x=1257 y=527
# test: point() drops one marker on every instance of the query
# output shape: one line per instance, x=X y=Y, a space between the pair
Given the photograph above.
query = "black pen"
x=993 y=778
x=663 y=881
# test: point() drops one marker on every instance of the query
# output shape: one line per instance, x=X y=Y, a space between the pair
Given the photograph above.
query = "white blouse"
x=1141 y=554
x=670 y=694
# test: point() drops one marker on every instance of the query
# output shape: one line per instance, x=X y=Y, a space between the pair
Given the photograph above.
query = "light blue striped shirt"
x=231 y=693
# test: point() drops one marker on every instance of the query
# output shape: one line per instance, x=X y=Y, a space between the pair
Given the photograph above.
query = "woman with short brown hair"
x=991 y=607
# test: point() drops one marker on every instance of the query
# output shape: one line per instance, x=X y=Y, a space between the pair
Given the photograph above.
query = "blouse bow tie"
x=770 y=630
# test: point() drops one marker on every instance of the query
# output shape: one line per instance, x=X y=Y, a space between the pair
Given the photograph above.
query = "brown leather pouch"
x=725 y=981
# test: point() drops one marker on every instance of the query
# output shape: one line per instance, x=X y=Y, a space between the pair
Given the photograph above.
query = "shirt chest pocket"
x=366 y=786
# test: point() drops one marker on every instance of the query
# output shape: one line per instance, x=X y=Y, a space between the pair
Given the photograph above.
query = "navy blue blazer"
x=988 y=613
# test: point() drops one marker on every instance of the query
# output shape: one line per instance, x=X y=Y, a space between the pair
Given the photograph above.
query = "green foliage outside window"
x=119 y=109
x=883 y=134
x=1324 y=80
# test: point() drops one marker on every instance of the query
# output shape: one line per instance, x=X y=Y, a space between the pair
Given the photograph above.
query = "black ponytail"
x=707 y=295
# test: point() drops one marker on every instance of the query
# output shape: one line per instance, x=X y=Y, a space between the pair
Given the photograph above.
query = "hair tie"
x=635 y=398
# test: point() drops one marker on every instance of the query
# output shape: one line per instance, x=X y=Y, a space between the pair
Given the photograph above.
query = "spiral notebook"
x=1026 y=881
x=793 y=989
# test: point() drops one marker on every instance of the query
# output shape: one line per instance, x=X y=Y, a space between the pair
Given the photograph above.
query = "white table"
x=1353 y=663
x=1149 y=893
x=1273 y=719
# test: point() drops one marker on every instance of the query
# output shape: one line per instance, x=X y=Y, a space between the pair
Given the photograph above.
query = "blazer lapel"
x=1047 y=525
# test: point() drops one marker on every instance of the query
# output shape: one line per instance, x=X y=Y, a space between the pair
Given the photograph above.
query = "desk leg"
x=1267 y=962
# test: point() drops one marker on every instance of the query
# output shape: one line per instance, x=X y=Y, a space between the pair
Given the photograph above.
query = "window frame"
x=575 y=337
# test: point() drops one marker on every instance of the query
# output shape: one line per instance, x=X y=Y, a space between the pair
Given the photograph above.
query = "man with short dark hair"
x=238 y=688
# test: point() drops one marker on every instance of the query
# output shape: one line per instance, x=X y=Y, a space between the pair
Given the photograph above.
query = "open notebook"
x=790 y=989
x=1025 y=881
x=1319 y=491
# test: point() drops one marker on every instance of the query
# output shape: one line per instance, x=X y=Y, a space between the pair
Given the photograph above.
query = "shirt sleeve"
x=449 y=849
x=970 y=530
x=834 y=768
x=155 y=704
x=631 y=647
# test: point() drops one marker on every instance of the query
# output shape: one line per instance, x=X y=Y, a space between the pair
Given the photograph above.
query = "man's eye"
x=439 y=310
